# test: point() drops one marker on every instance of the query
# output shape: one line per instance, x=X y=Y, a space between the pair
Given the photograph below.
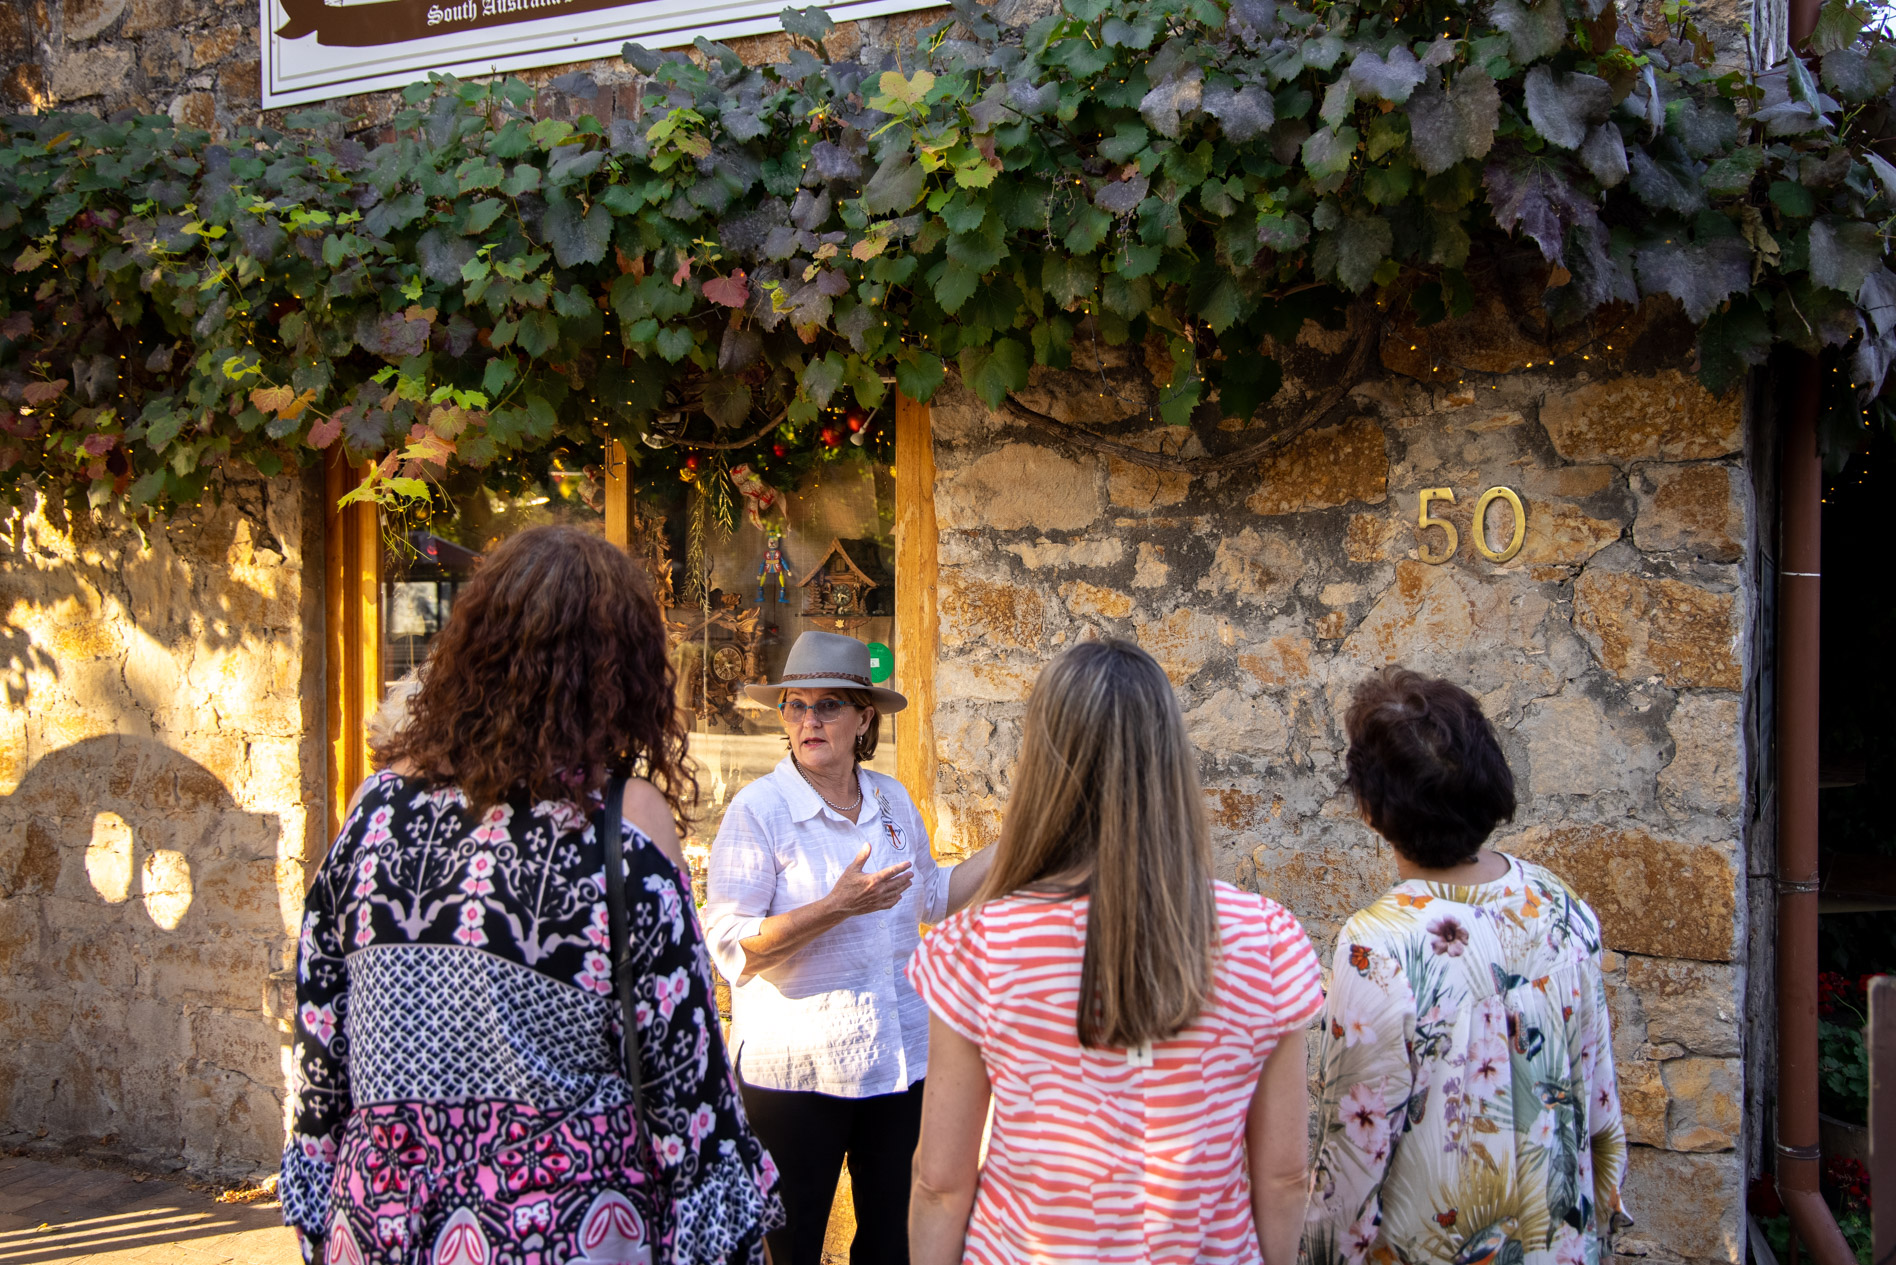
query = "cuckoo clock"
x=847 y=588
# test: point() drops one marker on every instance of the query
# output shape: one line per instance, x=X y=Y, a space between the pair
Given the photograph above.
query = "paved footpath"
x=57 y=1214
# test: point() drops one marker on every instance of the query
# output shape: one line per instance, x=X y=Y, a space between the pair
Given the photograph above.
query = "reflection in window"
x=738 y=596
x=736 y=591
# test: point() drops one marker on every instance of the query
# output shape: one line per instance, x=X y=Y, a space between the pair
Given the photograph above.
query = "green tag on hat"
x=881 y=662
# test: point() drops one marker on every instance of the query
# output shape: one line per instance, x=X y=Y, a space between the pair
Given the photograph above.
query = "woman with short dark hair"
x=1469 y=1111
x=458 y=1084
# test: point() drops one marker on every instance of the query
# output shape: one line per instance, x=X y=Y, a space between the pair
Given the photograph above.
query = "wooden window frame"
x=352 y=589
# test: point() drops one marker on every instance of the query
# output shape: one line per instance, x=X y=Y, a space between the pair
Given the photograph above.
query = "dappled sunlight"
x=109 y=858
x=166 y=887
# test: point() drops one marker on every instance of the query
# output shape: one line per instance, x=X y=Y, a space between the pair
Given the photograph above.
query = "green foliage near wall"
x=745 y=273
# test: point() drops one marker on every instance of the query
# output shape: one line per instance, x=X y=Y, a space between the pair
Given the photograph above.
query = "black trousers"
x=808 y=1135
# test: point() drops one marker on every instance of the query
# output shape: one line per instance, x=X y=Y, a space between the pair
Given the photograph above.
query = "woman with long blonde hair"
x=1134 y=1022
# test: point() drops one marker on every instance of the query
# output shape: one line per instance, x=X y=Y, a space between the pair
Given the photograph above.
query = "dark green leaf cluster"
x=768 y=248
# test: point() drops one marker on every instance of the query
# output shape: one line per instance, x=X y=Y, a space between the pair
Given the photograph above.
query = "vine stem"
x=745 y=442
x=1366 y=344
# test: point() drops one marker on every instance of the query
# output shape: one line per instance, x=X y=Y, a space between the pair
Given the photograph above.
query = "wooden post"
x=618 y=496
x=917 y=625
x=1883 y=1118
x=352 y=597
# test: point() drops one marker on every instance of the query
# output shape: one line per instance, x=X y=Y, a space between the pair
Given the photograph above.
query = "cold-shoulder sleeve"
x=950 y=974
x=720 y=1183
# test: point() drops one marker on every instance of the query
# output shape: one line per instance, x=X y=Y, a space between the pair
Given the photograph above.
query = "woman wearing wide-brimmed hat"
x=820 y=873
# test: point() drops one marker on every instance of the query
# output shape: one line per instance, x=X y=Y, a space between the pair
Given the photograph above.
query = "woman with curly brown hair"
x=457 y=1084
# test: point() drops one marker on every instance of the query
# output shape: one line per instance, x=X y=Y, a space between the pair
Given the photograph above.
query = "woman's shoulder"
x=1250 y=916
x=890 y=787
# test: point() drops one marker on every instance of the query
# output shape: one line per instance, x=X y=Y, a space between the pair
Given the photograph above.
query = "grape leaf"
x=1242 y=112
x=1855 y=77
x=1877 y=297
x=1121 y=197
x=1165 y=106
x=1604 y=155
x=1446 y=127
x=727 y=400
x=1327 y=153
x=811 y=24
x=577 y=236
x=896 y=185
x=1354 y=249
x=1067 y=280
x=1665 y=183
x=1563 y=106
x=731 y=291
x=1391 y=79
x=1842 y=252
x=1699 y=276
x=992 y=372
x=1282 y=231
x=1535 y=196
x=1535 y=31
x=918 y=375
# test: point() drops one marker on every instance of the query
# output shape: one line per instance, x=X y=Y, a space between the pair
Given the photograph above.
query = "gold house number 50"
x=1425 y=520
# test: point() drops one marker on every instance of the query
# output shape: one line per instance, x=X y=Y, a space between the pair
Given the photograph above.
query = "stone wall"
x=1611 y=653
x=161 y=784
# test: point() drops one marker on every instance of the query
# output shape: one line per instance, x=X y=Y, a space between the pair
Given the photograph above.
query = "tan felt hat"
x=827 y=661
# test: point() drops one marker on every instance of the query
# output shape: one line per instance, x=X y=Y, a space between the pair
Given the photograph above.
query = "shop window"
x=739 y=577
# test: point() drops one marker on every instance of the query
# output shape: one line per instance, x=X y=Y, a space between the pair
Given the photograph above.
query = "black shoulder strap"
x=612 y=834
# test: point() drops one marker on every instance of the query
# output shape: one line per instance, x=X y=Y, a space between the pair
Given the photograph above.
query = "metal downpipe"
x=1800 y=595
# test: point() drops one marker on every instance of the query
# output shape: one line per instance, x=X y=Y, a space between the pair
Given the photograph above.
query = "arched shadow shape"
x=136 y=1002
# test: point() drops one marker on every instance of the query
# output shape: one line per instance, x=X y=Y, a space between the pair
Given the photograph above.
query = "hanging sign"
x=315 y=50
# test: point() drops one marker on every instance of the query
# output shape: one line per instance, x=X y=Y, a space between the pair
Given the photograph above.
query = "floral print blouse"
x=1469 y=1110
x=457 y=1095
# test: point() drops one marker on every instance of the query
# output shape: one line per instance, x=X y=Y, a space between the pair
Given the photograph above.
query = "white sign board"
x=317 y=50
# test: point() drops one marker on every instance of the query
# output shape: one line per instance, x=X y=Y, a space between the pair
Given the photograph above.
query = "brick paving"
x=57 y=1214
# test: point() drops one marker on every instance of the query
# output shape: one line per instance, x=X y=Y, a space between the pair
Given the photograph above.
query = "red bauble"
x=780 y=450
x=832 y=436
x=691 y=462
x=856 y=418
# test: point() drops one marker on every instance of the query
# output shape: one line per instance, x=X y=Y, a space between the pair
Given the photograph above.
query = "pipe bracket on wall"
x=1809 y=1153
x=1799 y=885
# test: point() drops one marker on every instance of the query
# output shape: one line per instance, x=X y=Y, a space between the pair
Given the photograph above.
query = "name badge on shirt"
x=1140 y=1055
x=888 y=823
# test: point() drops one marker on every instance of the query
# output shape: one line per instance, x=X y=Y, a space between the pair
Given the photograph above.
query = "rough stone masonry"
x=1610 y=652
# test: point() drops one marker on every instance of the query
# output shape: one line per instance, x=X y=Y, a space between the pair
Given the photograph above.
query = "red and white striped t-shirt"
x=1092 y=1156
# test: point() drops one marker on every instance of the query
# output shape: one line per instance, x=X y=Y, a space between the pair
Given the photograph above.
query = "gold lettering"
x=1425 y=520
x=1481 y=523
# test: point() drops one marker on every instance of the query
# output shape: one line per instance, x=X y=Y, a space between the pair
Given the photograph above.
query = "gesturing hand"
x=858 y=893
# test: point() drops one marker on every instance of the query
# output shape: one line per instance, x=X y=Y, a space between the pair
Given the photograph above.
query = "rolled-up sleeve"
x=931 y=877
x=739 y=887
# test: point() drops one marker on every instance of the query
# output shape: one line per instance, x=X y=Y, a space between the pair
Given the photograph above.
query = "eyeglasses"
x=826 y=710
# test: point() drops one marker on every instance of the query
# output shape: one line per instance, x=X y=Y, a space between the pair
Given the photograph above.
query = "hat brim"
x=887 y=702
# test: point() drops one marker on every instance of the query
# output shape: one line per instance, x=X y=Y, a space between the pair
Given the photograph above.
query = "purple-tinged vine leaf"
x=1391 y=79
x=1733 y=173
x=811 y=24
x=1563 y=106
x=392 y=336
x=833 y=162
x=1703 y=130
x=1032 y=99
x=1353 y=250
x=810 y=210
x=1842 y=252
x=1601 y=274
x=1877 y=297
x=1166 y=105
x=731 y=291
x=1122 y=197
x=1447 y=126
x=1533 y=196
x=16 y=326
x=1282 y=230
x=1869 y=365
x=325 y=433
x=832 y=282
x=1604 y=155
x=856 y=323
x=895 y=187
x=1838 y=24
x=1253 y=22
x=1441 y=52
x=1666 y=184
x=1699 y=276
x=577 y=236
x=1242 y=112
x=739 y=350
x=1535 y=31
x=442 y=254
x=1732 y=340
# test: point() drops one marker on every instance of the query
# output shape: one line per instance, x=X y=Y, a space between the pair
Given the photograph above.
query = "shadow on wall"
x=139 y=925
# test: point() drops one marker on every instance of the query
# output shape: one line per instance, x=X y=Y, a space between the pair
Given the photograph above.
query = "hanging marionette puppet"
x=760 y=498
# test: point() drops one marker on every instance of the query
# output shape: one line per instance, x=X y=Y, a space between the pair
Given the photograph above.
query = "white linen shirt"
x=839 y=1016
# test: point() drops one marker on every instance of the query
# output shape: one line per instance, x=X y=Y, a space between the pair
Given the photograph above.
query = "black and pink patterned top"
x=456 y=1083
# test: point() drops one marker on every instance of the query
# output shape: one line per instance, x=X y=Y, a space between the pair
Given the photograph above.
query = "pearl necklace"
x=826 y=799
